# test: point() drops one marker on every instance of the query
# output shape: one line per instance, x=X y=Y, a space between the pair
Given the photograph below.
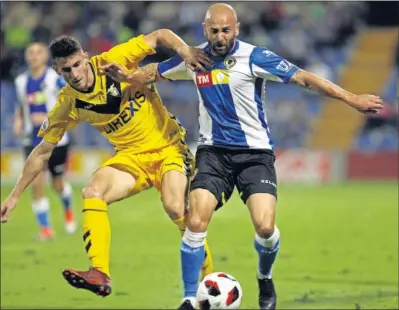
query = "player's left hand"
x=196 y=59
x=115 y=72
x=366 y=104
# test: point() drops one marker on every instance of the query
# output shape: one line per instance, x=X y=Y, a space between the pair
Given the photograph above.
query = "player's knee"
x=265 y=229
x=92 y=191
x=197 y=223
x=174 y=207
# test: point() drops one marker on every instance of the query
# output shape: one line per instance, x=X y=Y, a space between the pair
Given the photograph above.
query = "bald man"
x=37 y=91
x=235 y=145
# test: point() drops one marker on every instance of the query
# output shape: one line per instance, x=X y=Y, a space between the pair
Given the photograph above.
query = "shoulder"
x=262 y=55
x=67 y=95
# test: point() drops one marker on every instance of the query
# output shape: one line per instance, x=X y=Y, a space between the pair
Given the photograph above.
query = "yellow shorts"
x=149 y=168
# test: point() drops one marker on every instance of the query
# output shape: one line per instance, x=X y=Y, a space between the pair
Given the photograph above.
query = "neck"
x=37 y=72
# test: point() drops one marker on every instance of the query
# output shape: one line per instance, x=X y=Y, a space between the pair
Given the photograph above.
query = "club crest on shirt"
x=230 y=62
x=113 y=91
x=45 y=125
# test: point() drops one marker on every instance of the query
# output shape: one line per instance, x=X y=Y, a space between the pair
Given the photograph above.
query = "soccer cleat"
x=70 y=227
x=45 y=234
x=207 y=266
x=186 y=305
x=267 y=294
x=93 y=280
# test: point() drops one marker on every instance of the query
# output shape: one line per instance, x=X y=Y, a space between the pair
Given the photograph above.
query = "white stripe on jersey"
x=51 y=91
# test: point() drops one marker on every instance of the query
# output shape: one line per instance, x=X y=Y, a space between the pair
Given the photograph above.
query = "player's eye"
x=66 y=69
x=76 y=64
x=214 y=31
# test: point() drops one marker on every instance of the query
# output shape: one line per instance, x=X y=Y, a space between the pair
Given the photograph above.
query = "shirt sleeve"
x=128 y=54
x=174 y=69
x=60 y=119
x=267 y=65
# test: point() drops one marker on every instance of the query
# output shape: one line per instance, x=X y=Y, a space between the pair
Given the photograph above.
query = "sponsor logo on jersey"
x=215 y=77
x=230 y=62
x=113 y=91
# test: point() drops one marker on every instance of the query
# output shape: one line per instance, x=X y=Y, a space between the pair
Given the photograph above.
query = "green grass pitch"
x=339 y=250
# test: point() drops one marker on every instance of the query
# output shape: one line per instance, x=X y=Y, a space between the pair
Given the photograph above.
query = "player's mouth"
x=77 y=83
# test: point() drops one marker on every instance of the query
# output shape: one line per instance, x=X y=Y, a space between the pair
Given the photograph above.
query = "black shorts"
x=220 y=169
x=57 y=162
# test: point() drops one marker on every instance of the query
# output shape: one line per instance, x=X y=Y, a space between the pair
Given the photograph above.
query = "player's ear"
x=237 y=29
x=204 y=29
x=86 y=55
x=54 y=66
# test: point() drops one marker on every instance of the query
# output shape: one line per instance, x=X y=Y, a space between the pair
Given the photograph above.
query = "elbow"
x=162 y=33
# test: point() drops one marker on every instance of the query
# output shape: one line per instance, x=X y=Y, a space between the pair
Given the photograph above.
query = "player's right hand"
x=115 y=72
x=196 y=59
x=6 y=207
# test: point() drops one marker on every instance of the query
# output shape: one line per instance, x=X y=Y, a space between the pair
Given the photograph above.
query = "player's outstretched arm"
x=33 y=166
x=363 y=103
x=194 y=57
x=147 y=74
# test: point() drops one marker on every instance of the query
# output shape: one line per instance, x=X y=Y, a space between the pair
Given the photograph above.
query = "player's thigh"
x=109 y=183
x=212 y=185
x=174 y=193
x=58 y=160
x=257 y=184
x=174 y=176
x=262 y=208
x=57 y=165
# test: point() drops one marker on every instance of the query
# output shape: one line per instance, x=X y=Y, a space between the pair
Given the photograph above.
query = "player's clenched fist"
x=6 y=207
x=366 y=103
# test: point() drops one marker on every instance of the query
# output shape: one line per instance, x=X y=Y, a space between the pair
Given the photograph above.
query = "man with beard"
x=235 y=144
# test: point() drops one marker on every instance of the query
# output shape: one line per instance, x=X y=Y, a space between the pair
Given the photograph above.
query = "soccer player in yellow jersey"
x=149 y=142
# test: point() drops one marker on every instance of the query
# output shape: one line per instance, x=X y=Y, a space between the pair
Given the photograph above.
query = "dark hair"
x=64 y=46
x=38 y=42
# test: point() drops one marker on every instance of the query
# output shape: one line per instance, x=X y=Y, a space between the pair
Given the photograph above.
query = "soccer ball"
x=219 y=290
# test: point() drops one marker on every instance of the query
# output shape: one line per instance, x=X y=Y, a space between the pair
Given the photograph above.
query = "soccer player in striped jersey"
x=37 y=91
x=235 y=144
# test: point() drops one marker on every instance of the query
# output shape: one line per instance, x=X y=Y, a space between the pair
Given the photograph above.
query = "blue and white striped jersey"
x=232 y=94
x=38 y=96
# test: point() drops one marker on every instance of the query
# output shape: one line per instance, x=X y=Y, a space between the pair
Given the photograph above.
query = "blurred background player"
x=37 y=91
